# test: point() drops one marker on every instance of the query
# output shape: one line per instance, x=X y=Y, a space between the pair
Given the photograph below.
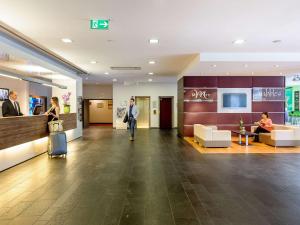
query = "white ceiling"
x=184 y=28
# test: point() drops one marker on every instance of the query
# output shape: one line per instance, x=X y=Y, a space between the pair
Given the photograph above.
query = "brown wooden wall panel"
x=277 y=118
x=202 y=118
x=235 y=82
x=19 y=130
x=200 y=81
x=266 y=81
x=200 y=107
x=268 y=106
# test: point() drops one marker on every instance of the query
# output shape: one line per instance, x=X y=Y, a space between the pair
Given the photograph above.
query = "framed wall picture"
x=4 y=94
x=100 y=105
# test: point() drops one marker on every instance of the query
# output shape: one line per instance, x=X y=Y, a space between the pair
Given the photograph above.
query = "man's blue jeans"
x=132 y=123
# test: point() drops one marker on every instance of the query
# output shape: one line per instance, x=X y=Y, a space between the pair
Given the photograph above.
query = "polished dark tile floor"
x=158 y=179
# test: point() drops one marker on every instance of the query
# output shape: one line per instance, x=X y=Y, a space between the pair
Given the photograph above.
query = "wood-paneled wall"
x=19 y=130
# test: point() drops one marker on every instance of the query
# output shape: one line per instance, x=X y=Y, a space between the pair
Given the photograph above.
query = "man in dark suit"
x=11 y=107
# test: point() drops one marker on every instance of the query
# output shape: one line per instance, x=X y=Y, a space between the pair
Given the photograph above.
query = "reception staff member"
x=11 y=107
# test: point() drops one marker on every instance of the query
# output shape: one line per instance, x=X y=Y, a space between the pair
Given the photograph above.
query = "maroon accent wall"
x=193 y=112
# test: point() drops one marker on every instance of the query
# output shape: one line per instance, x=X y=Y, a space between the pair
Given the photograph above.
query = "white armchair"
x=209 y=136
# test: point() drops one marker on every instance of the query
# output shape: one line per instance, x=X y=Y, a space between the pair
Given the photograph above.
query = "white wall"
x=123 y=93
x=75 y=87
x=21 y=87
x=91 y=91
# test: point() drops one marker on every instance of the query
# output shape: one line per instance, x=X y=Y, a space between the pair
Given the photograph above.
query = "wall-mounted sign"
x=99 y=24
x=200 y=95
x=268 y=94
x=296 y=100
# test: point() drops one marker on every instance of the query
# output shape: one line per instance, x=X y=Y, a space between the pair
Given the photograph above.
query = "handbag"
x=125 y=120
x=56 y=126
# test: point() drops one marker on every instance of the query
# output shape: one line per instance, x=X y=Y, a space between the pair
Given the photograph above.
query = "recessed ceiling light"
x=239 y=41
x=150 y=80
x=114 y=80
x=152 y=62
x=66 y=40
x=150 y=73
x=153 y=41
x=93 y=62
x=106 y=73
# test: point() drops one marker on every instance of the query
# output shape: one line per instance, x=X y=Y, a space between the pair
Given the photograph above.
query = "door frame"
x=172 y=104
x=149 y=107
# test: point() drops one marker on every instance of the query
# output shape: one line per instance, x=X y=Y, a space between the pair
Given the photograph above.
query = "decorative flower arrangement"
x=66 y=98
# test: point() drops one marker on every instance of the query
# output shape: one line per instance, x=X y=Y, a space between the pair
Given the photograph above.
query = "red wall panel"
x=200 y=82
x=200 y=107
x=202 y=118
x=268 y=106
x=235 y=82
x=233 y=118
x=268 y=81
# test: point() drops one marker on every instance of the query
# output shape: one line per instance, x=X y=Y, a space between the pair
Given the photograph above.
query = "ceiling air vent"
x=125 y=68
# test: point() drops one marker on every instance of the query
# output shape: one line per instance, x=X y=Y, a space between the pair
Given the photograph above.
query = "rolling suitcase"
x=57 y=144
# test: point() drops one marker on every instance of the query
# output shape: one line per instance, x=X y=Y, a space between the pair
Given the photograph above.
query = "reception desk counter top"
x=23 y=129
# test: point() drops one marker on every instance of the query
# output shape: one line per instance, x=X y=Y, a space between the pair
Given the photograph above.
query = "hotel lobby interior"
x=217 y=92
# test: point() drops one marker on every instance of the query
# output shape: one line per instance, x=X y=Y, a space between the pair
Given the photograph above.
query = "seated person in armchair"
x=264 y=125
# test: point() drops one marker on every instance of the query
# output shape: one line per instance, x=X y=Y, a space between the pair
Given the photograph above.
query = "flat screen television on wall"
x=3 y=94
x=234 y=100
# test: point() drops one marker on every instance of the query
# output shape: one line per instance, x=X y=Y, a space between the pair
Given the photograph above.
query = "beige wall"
x=91 y=91
x=100 y=115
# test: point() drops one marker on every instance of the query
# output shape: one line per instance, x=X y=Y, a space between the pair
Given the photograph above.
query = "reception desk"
x=19 y=130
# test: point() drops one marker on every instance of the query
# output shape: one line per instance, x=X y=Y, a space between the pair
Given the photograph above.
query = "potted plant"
x=66 y=99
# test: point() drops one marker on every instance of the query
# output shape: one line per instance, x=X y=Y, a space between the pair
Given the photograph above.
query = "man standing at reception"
x=11 y=107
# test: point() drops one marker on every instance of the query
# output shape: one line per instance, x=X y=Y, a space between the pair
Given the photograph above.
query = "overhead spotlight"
x=239 y=41
x=114 y=80
x=150 y=80
x=66 y=40
x=150 y=73
x=153 y=41
x=152 y=62
x=106 y=73
x=93 y=62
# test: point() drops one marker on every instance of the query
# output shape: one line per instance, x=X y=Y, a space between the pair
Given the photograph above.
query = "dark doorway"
x=165 y=112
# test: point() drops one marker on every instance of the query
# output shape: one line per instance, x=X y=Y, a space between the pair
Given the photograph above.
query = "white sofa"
x=210 y=136
x=281 y=135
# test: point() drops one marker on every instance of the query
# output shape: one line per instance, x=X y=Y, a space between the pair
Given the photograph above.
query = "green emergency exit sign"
x=99 y=24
